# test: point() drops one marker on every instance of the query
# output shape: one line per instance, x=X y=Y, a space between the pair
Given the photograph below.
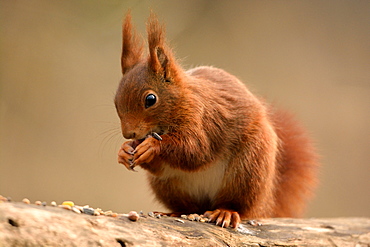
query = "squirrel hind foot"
x=224 y=217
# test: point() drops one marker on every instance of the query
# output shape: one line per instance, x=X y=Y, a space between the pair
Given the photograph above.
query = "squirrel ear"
x=161 y=59
x=132 y=46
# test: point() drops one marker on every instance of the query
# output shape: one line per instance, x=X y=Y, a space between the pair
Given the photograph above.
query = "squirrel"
x=208 y=144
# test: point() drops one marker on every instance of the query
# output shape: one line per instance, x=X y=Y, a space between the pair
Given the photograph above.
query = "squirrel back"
x=209 y=145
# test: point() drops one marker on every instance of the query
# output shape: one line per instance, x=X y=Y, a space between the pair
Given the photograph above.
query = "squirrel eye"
x=150 y=100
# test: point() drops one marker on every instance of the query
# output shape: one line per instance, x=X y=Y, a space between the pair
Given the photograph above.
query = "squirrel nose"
x=127 y=131
x=129 y=135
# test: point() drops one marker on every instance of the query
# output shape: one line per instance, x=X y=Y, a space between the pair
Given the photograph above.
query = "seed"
x=254 y=223
x=156 y=136
x=178 y=220
x=53 y=203
x=3 y=199
x=9 y=199
x=202 y=220
x=25 y=200
x=158 y=216
x=43 y=204
x=76 y=210
x=191 y=217
x=79 y=208
x=151 y=214
x=88 y=211
x=184 y=216
x=99 y=210
x=38 y=203
x=133 y=216
x=70 y=203
x=108 y=213
x=65 y=207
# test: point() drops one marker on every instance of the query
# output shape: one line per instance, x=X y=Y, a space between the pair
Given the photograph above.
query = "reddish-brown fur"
x=223 y=150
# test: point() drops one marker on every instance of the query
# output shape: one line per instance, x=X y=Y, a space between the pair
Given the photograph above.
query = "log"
x=31 y=225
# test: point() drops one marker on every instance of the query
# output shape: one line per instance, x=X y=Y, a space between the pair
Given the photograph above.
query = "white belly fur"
x=200 y=184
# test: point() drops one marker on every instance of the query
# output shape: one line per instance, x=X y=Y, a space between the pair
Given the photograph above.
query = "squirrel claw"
x=223 y=217
x=132 y=166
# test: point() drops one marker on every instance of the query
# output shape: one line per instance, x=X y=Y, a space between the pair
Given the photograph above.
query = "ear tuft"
x=132 y=46
x=161 y=59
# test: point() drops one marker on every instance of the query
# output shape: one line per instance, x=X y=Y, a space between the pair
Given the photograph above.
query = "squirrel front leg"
x=131 y=154
x=187 y=150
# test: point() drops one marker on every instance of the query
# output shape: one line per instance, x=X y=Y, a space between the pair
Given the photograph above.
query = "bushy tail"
x=297 y=166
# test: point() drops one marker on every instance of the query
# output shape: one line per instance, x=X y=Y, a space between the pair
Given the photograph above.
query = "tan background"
x=60 y=67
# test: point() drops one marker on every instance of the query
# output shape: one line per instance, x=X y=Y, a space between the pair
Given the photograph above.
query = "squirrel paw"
x=146 y=151
x=126 y=155
x=223 y=217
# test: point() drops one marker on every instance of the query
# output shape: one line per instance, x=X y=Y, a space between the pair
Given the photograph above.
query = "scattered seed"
x=197 y=217
x=203 y=220
x=151 y=214
x=254 y=223
x=178 y=220
x=25 y=200
x=184 y=216
x=38 y=203
x=65 y=207
x=99 y=210
x=88 y=211
x=76 y=210
x=53 y=203
x=191 y=217
x=9 y=199
x=133 y=216
x=70 y=203
x=43 y=204
x=3 y=199
x=158 y=216
x=108 y=213
x=79 y=208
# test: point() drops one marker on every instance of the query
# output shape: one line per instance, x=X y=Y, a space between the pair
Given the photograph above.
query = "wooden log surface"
x=31 y=225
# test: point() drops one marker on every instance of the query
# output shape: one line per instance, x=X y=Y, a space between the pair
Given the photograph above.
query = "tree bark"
x=31 y=225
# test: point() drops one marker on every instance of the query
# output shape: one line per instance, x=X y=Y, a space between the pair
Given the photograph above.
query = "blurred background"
x=60 y=67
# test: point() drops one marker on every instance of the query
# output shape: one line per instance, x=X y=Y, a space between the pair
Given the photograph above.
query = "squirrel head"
x=151 y=87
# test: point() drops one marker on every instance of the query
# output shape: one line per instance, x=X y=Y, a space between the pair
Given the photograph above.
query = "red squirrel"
x=209 y=145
